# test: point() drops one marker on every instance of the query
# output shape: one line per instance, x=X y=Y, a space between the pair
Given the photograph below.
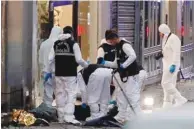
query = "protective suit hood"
x=64 y=36
x=164 y=29
x=124 y=39
x=46 y=46
x=55 y=32
x=103 y=41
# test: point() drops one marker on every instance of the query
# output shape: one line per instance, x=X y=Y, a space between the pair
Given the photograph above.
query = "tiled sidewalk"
x=186 y=89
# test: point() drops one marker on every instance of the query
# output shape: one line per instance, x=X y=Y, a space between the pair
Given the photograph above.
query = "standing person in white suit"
x=66 y=56
x=171 y=53
x=43 y=61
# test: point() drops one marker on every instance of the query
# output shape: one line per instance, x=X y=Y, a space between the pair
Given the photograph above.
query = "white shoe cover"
x=180 y=102
x=167 y=105
x=71 y=120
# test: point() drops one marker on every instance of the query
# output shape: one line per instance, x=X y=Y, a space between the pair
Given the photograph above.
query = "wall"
x=18 y=58
x=14 y=44
x=93 y=30
x=104 y=21
x=164 y=10
x=99 y=23
x=83 y=27
x=4 y=87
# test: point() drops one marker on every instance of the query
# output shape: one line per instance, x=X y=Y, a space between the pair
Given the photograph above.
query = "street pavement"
x=172 y=118
x=185 y=87
x=60 y=126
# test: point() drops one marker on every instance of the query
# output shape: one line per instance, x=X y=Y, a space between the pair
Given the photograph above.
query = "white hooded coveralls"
x=131 y=87
x=171 y=50
x=43 y=61
x=97 y=92
x=66 y=87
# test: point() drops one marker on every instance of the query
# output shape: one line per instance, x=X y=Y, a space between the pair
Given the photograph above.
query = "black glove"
x=158 y=56
x=115 y=70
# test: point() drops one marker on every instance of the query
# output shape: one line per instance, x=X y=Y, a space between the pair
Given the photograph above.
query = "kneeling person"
x=94 y=82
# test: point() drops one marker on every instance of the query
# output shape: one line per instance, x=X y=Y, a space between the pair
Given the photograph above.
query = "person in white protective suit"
x=171 y=51
x=94 y=82
x=127 y=76
x=44 y=51
x=106 y=51
x=142 y=77
x=67 y=55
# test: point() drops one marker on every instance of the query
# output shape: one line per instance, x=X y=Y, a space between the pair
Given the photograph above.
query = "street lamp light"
x=148 y=104
x=149 y=101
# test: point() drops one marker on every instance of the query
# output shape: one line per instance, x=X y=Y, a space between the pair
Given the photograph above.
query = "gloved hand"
x=172 y=68
x=88 y=62
x=103 y=62
x=47 y=76
x=84 y=105
x=113 y=102
x=121 y=67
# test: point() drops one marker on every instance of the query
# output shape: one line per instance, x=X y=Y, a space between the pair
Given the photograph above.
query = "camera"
x=158 y=56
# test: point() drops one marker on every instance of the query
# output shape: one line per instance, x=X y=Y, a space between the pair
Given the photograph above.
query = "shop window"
x=63 y=13
x=151 y=32
x=146 y=25
x=83 y=27
x=187 y=21
x=191 y=21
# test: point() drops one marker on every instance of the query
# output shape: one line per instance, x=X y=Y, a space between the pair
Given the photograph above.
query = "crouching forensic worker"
x=127 y=77
x=171 y=53
x=66 y=56
x=94 y=82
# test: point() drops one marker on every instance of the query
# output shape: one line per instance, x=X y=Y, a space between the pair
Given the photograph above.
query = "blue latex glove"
x=121 y=67
x=103 y=62
x=113 y=102
x=84 y=105
x=47 y=76
x=172 y=68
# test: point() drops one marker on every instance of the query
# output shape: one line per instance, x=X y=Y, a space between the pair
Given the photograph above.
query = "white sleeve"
x=78 y=56
x=82 y=87
x=51 y=59
x=51 y=55
x=176 y=48
x=128 y=50
x=107 y=63
x=111 y=64
x=100 y=52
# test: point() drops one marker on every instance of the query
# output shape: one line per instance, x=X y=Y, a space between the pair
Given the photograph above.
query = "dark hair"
x=111 y=34
x=68 y=30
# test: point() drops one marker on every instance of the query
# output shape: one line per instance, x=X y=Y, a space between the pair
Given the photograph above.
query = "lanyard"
x=167 y=38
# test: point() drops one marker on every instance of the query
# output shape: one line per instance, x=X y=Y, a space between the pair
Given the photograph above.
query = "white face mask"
x=166 y=35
